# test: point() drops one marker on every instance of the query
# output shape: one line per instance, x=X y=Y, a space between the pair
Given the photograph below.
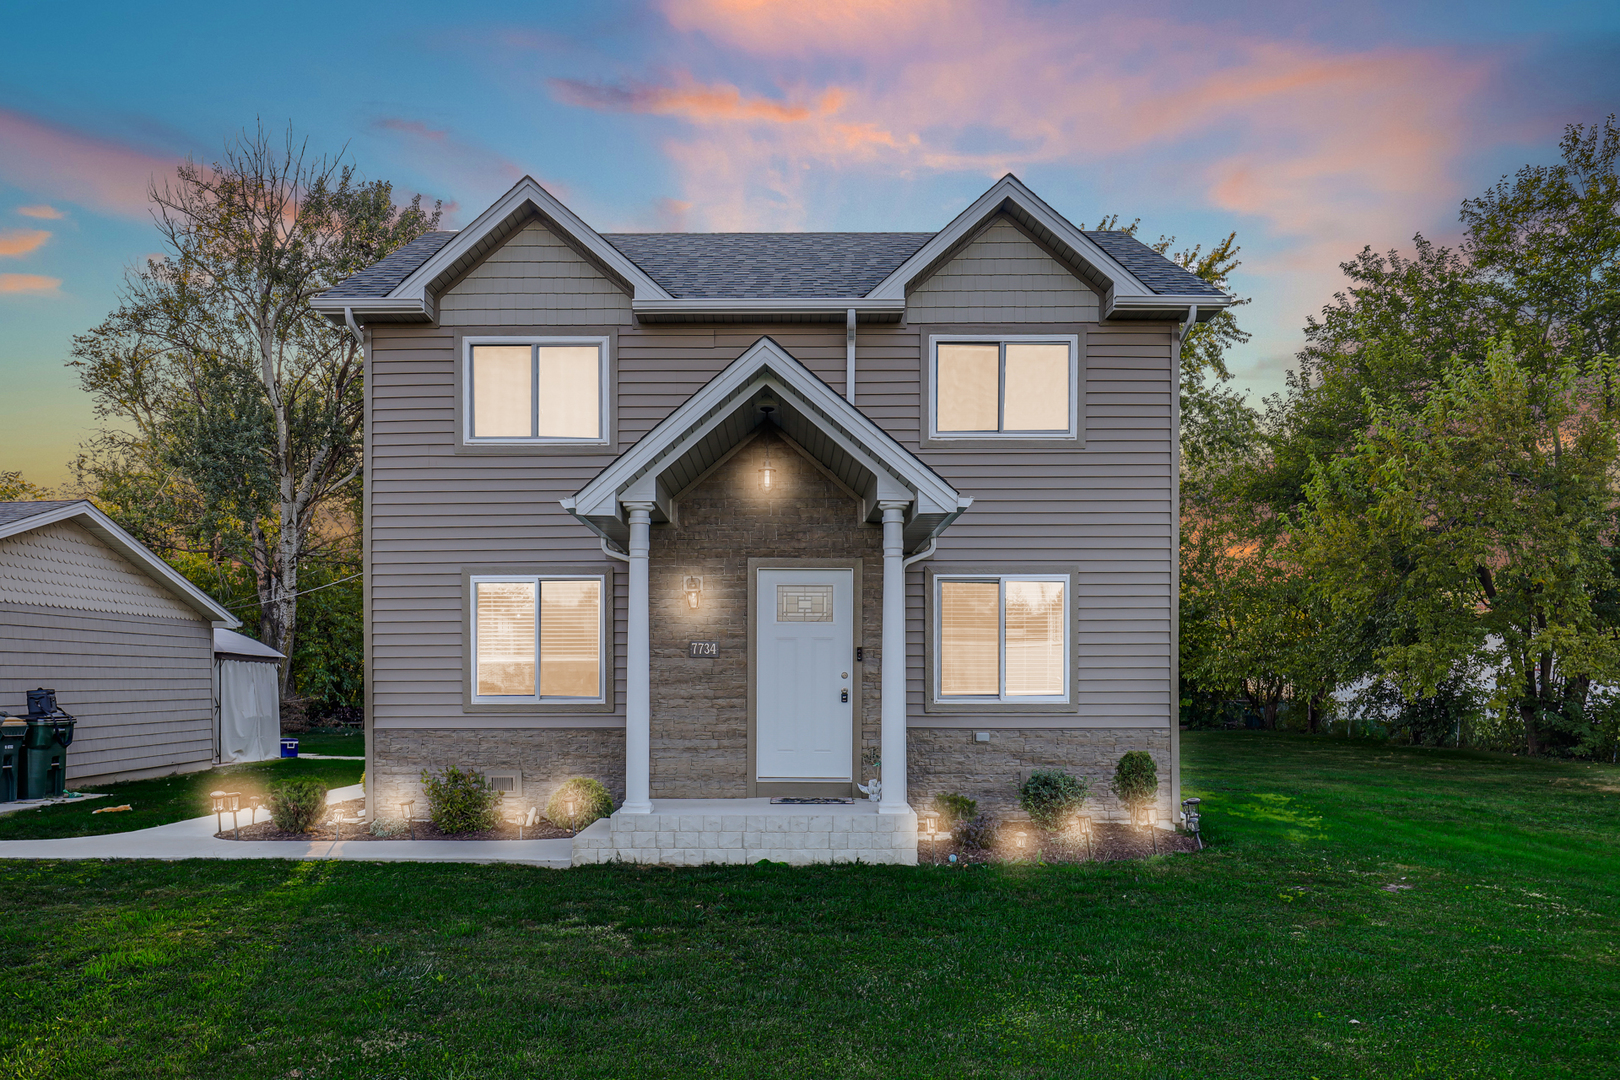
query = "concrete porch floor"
x=692 y=832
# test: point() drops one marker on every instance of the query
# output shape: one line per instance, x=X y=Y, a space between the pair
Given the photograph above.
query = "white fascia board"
x=529 y=190
x=371 y=305
x=1008 y=189
x=103 y=528
x=676 y=432
x=792 y=305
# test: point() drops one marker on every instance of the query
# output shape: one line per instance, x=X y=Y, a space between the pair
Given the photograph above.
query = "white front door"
x=803 y=688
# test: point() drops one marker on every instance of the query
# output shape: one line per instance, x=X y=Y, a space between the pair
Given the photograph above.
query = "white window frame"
x=1003 y=340
x=539 y=580
x=469 y=420
x=1000 y=580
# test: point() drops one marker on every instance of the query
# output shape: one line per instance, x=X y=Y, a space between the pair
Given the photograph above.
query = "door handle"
x=843 y=697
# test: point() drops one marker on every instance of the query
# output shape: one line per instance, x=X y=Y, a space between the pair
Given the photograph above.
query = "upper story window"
x=1004 y=387
x=550 y=390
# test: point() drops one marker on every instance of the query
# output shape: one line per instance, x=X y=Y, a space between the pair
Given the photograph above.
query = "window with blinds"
x=1005 y=388
x=541 y=391
x=1002 y=638
x=537 y=638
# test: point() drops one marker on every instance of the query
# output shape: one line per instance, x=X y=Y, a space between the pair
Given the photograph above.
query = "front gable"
x=1001 y=276
x=534 y=278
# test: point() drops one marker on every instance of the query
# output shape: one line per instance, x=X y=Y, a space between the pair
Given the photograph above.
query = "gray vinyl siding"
x=1107 y=509
x=131 y=662
x=1002 y=276
x=534 y=279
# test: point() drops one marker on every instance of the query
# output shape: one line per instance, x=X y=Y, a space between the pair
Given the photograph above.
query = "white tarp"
x=249 y=711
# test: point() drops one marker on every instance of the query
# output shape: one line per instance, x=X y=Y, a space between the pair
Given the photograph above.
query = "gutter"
x=849 y=356
x=787 y=305
x=354 y=327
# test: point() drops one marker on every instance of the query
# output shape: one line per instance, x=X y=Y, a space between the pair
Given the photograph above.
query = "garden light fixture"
x=930 y=826
x=405 y=806
x=1189 y=818
x=218 y=798
x=1082 y=826
x=1018 y=838
x=571 y=818
x=254 y=802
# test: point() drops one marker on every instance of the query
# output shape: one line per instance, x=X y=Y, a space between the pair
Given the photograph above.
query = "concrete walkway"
x=195 y=839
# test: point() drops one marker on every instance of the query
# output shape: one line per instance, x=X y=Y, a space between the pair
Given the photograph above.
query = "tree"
x=13 y=488
x=1481 y=524
x=235 y=409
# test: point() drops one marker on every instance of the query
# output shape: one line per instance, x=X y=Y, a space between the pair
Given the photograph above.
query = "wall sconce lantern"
x=692 y=586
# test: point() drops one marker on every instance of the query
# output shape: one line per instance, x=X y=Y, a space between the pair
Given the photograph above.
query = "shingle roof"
x=380 y=278
x=16 y=511
x=1152 y=269
x=775 y=265
x=768 y=265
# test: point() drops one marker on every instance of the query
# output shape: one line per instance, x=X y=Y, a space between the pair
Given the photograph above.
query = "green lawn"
x=335 y=741
x=170 y=798
x=1500 y=959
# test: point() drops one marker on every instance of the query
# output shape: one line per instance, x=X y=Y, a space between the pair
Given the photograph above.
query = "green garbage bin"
x=12 y=735
x=45 y=757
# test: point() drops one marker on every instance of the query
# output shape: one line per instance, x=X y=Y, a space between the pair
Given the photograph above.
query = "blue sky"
x=1310 y=129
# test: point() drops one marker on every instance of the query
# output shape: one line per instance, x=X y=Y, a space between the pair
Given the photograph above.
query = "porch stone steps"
x=692 y=832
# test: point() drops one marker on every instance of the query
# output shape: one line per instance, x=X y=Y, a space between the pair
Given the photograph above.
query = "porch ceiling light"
x=767 y=473
x=692 y=586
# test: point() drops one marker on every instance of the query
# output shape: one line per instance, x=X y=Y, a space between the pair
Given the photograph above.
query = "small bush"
x=1136 y=779
x=460 y=802
x=388 y=827
x=978 y=833
x=591 y=801
x=296 y=805
x=1050 y=797
x=953 y=809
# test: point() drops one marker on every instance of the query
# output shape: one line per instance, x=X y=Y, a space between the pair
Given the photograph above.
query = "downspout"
x=354 y=327
x=1175 y=574
x=849 y=356
x=610 y=553
x=925 y=552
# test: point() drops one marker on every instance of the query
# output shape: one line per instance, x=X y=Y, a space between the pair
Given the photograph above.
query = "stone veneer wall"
x=949 y=760
x=545 y=756
x=700 y=707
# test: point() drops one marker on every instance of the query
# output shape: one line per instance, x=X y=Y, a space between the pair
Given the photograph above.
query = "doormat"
x=808 y=802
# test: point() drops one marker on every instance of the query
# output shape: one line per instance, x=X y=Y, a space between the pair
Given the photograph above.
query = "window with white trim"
x=1011 y=387
x=1001 y=638
x=536 y=391
x=538 y=638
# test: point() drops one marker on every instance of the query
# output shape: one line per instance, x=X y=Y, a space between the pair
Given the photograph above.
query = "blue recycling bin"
x=289 y=747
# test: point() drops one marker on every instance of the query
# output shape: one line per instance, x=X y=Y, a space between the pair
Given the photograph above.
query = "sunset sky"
x=1310 y=129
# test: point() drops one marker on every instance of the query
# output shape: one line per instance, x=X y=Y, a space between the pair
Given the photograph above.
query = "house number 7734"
x=702 y=648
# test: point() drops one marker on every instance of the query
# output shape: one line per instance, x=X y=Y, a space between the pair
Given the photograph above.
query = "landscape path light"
x=573 y=822
x=405 y=806
x=930 y=825
x=218 y=798
x=1189 y=818
x=1082 y=826
x=233 y=803
x=1149 y=816
x=254 y=802
x=1019 y=837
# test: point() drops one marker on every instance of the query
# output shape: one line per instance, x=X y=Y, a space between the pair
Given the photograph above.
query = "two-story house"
x=726 y=518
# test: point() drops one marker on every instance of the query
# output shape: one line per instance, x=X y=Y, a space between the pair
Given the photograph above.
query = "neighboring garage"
x=124 y=640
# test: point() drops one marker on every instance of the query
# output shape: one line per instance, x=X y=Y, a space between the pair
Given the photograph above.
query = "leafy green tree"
x=13 y=488
x=1477 y=524
x=233 y=410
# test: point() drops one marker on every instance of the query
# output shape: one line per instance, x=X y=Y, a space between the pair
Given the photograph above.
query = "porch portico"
x=767 y=399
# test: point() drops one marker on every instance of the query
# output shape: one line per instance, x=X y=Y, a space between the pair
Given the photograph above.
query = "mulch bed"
x=1110 y=840
x=425 y=830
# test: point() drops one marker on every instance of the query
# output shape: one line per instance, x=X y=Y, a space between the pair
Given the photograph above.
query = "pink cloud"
x=49 y=213
x=96 y=172
x=687 y=99
x=22 y=241
x=29 y=284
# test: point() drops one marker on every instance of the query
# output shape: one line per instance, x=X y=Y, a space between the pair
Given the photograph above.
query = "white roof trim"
x=104 y=529
x=527 y=190
x=242 y=647
x=750 y=305
x=1008 y=189
x=681 y=428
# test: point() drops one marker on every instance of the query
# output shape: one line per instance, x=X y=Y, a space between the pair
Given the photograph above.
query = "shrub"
x=953 y=809
x=1050 y=797
x=978 y=833
x=591 y=801
x=386 y=827
x=461 y=802
x=1136 y=779
x=296 y=805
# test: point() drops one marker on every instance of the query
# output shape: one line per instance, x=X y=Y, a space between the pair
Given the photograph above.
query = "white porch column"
x=638 y=672
x=893 y=659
